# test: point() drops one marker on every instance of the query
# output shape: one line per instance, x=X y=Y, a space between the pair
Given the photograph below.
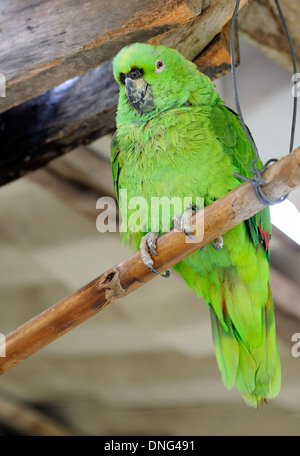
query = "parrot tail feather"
x=252 y=364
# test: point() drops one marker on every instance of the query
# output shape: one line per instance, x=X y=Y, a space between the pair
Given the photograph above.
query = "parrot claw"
x=217 y=243
x=183 y=223
x=189 y=235
x=147 y=245
x=166 y=274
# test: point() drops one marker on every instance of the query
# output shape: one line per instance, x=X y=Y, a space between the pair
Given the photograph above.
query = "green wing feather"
x=116 y=165
x=229 y=131
x=116 y=168
x=258 y=372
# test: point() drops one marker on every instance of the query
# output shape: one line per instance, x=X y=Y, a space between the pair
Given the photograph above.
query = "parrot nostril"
x=135 y=73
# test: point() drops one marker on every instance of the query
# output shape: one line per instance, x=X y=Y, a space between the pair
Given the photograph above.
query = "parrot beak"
x=139 y=94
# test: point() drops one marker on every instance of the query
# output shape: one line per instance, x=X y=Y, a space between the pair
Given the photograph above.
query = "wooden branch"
x=46 y=43
x=130 y=274
x=77 y=112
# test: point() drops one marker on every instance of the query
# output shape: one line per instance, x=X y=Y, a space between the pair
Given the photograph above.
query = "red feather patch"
x=266 y=237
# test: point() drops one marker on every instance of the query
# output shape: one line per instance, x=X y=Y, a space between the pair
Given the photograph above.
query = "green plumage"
x=188 y=145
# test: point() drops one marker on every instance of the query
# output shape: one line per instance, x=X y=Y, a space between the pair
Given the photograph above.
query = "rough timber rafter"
x=260 y=23
x=83 y=109
x=46 y=43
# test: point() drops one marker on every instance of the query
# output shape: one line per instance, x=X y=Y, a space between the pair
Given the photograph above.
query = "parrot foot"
x=217 y=243
x=183 y=223
x=147 y=245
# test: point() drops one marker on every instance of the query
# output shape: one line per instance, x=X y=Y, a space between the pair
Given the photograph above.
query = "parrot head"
x=157 y=78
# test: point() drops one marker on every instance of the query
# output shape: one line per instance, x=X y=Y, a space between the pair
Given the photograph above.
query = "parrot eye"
x=159 y=66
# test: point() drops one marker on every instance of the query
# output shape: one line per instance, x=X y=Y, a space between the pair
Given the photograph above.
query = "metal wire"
x=257 y=180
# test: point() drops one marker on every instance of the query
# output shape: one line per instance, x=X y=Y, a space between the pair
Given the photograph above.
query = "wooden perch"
x=130 y=274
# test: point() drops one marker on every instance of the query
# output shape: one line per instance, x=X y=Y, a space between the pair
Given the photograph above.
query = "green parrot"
x=176 y=138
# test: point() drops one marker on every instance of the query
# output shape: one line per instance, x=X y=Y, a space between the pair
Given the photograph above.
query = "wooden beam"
x=76 y=112
x=193 y=37
x=85 y=169
x=130 y=274
x=46 y=43
x=27 y=421
x=215 y=60
x=286 y=295
x=79 y=178
x=260 y=23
